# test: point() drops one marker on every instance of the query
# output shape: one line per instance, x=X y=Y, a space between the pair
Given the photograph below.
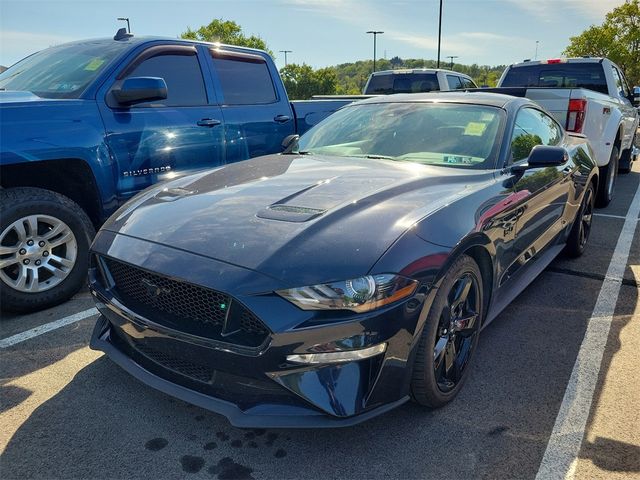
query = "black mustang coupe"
x=333 y=282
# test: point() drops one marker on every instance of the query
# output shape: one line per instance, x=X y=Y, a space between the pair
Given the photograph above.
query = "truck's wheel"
x=608 y=176
x=44 y=245
x=625 y=159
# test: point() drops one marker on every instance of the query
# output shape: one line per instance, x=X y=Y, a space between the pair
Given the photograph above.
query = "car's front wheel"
x=44 y=245
x=450 y=335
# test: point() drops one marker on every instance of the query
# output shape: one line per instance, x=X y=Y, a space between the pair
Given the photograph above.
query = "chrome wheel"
x=457 y=328
x=37 y=252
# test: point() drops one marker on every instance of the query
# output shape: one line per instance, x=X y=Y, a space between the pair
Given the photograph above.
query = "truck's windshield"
x=558 y=75
x=60 y=72
x=410 y=82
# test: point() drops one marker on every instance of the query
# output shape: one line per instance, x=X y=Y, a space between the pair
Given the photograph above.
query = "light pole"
x=126 y=19
x=536 y=55
x=439 y=33
x=375 y=34
x=451 y=57
x=285 y=55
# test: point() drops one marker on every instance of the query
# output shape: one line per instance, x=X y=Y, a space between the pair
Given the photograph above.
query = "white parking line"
x=560 y=457
x=621 y=217
x=47 y=327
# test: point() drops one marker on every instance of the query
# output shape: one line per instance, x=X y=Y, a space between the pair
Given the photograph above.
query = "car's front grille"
x=184 y=306
x=182 y=366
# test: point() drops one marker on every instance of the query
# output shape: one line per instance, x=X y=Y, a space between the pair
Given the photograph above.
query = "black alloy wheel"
x=581 y=229
x=450 y=335
x=456 y=334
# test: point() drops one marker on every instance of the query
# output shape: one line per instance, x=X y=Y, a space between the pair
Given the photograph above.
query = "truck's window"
x=388 y=84
x=468 y=83
x=244 y=81
x=454 y=82
x=61 y=72
x=532 y=127
x=182 y=74
x=558 y=75
x=621 y=88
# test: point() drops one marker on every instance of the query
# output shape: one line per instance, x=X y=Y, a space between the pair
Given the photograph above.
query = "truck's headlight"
x=360 y=294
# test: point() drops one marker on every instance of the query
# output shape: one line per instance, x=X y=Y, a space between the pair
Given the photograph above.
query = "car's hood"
x=13 y=97
x=295 y=218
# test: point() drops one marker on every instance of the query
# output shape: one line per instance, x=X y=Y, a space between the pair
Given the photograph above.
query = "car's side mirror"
x=547 y=156
x=289 y=143
x=636 y=97
x=140 y=89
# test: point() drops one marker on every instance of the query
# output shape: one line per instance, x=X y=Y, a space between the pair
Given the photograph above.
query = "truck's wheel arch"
x=70 y=177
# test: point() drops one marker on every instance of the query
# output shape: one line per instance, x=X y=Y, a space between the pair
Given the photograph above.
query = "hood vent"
x=289 y=213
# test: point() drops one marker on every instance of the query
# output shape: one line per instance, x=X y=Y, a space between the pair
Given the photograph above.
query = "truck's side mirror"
x=636 y=97
x=140 y=89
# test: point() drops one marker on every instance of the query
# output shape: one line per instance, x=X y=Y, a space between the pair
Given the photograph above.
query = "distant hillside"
x=353 y=76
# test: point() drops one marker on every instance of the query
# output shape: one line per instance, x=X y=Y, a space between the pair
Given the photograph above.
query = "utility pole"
x=536 y=55
x=375 y=34
x=285 y=55
x=126 y=19
x=451 y=57
x=439 y=33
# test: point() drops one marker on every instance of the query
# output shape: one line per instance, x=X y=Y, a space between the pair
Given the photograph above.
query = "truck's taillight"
x=575 y=114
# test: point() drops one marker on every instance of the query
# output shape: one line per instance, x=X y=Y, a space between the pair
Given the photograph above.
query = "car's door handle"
x=208 y=122
x=282 y=118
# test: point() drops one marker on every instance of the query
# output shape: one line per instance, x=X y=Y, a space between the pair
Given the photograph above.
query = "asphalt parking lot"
x=69 y=412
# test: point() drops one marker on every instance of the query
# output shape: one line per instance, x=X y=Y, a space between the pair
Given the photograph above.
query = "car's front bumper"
x=270 y=414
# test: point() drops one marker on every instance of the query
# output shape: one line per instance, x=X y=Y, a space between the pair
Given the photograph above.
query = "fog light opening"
x=338 y=357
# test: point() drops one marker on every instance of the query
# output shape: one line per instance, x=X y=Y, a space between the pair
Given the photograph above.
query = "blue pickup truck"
x=86 y=125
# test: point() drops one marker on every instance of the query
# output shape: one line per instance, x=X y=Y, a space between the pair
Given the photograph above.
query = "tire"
x=624 y=166
x=432 y=385
x=45 y=232
x=608 y=175
x=581 y=229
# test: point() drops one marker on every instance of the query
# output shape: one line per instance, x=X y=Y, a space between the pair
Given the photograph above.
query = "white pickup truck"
x=589 y=96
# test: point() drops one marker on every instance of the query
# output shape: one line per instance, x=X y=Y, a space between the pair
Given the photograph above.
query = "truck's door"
x=155 y=140
x=255 y=107
x=629 y=112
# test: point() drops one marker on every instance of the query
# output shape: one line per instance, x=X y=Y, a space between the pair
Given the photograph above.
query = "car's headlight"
x=359 y=294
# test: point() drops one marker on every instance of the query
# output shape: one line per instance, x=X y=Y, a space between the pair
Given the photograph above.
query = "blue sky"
x=320 y=32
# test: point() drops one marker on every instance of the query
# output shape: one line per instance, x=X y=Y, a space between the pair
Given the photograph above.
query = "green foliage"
x=523 y=144
x=302 y=81
x=225 y=31
x=618 y=39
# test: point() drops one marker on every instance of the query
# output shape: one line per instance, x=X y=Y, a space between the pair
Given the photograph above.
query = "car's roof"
x=556 y=61
x=468 y=97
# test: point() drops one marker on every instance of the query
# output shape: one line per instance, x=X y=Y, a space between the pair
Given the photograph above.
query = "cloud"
x=550 y=11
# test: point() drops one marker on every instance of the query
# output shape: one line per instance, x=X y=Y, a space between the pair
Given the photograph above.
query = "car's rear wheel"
x=608 y=175
x=44 y=245
x=581 y=229
x=625 y=159
x=450 y=335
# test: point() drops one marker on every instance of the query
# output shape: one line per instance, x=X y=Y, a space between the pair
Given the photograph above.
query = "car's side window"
x=454 y=82
x=533 y=127
x=181 y=73
x=244 y=78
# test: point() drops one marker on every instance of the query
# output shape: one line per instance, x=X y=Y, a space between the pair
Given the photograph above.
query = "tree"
x=225 y=31
x=302 y=81
x=618 y=39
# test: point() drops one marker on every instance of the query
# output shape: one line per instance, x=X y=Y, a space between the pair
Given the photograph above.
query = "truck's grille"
x=184 y=306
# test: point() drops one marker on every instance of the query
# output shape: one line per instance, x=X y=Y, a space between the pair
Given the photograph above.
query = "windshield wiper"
x=375 y=157
x=303 y=152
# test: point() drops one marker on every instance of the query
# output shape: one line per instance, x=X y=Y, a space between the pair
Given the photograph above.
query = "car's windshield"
x=447 y=134
x=60 y=72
